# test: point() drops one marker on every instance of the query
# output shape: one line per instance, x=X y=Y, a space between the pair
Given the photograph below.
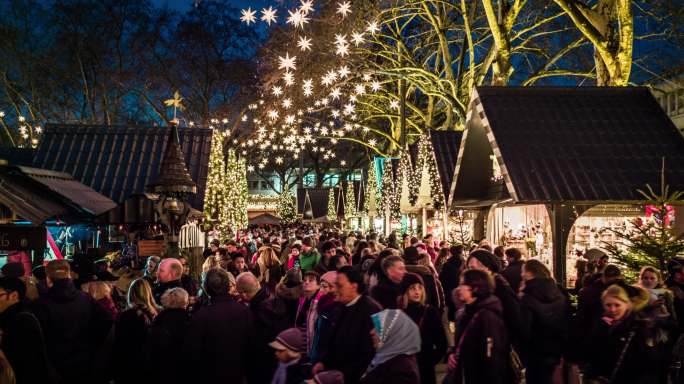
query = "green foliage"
x=216 y=181
x=287 y=210
x=233 y=213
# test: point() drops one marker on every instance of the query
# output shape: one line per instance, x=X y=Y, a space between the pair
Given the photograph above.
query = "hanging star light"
x=244 y=118
x=367 y=77
x=290 y=119
x=373 y=27
x=349 y=109
x=342 y=50
x=287 y=103
x=357 y=38
x=359 y=89
x=273 y=114
x=307 y=6
x=335 y=114
x=375 y=86
x=297 y=19
x=287 y=62
x=372 y=142
x=335 y=94
x=304 y=43
x=248 y=16
x=269 y=15
x=288 y=78
x=394 y=104
x=343 y=72
x=276 y=90
x=340 y=39
x=344 y=8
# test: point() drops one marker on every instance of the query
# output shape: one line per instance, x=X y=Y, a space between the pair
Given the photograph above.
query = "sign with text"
x=151 y=247
x=22 y=237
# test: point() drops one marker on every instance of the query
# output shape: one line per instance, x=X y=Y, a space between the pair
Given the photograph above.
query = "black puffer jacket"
x=545 y=318
x=164 y=340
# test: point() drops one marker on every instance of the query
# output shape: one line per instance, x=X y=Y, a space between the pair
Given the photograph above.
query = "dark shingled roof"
x=445 y=145
x=555 y=144
x=119 y=161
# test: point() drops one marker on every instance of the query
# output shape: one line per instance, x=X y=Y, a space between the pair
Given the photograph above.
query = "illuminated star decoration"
x=248 y=16
x=297 y=18
x=268 y=15
x=344 y=8
x=288 y=78
x=307 y=6
x=304 y=43
x=287 y=62
x=342 y=50
x=357 y=38
x=373 y=27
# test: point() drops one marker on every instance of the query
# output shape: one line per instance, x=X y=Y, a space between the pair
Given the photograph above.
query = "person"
x=386 y=291
x=309 y=257
x=165 y=338
x=675 y=283
x=589 y=306
x=73 y=324
x=428 y=319
x=350 y=333
x=513 y=271
x=326 y=312
x=308 y=301
x=626 y=345
x=450 y=275
x=327 y=377
x=293 y=260
x=169 y=275
x=239 y=265
x=429 y=246
x=16 y=269
x=268 y=268
x=396 y=341
x=484 y=260
x=188 y=282
x=289 y=347
x=102 y=293
x=500 y=253
x=214 y=249
x=289 y=291
x=270 y=318
x=130 y=333
x=545 y=317
x=329 y=252
x=442 y=257
x=22 y=338
x=218 y=340
x=482 y=346
x=150 y=273
x=103 y=270
x=415 y=262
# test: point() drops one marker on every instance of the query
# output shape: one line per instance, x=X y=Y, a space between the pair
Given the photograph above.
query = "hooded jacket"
x=434 y=294
x=74 y=326
x=482 y=343
x=544 y=311
x=164 y=341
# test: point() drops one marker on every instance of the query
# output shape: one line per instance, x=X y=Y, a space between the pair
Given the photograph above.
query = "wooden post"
x=679 y=220
x=562 y=219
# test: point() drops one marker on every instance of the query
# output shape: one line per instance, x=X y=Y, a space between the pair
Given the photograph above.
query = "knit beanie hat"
x=292 y=339
x=408 y=280
x=329 y=377
x=13 y=269
x=487 y=259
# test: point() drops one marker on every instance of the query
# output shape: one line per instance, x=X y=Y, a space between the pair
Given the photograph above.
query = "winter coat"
x=130 y=335
x=511 y=310
x=351 y=348
x=545 y=317
x=513 y=274
x=108 y=304
x=449 y=277
x=270 y=318
x=164 y=341
x=160 y=288
x=24 y=345
x=217 y=344
x=678 y=303
x=482 y=343
x=645 y=359
x=401 y=369
x=74 y=326
x=189 y=284
x=309 y=260
x=290 y=297
x=327 y=314
x=385 y=293
x=434 y=294
x=433 y=339
x=309 y=317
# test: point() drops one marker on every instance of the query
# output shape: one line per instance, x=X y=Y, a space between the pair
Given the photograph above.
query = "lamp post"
x=172 y=188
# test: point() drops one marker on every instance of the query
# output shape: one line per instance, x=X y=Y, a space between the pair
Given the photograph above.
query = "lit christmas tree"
x=286 y=208
x=426 y=167
x=390 y=199
x=233 y=214
x=350 y=202
x=332 y=210
x=216 y=182
x=372 y=200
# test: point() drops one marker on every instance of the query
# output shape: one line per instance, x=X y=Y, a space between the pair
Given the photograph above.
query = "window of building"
x=310 y=180
x=354 y=176
x=253 y=184
x=331 y=180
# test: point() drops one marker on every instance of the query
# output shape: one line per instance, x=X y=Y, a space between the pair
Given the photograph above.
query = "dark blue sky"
x=182 y=5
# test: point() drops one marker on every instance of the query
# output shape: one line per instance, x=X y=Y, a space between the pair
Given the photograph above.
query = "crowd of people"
x=294 y=305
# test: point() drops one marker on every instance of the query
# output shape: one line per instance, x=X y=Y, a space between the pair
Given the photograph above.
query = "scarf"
x=280 y=375
x=398 y=335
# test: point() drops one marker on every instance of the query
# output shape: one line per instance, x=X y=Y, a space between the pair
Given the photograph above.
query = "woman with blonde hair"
x=268 y=268
x=627 y=343
x=102 y=293
x=130 y=332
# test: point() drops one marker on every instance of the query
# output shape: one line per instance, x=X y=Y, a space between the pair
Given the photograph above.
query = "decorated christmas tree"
x=372 y=200
x=286 y=208
x=390 y=198
x=233 y=213
x=332 y=210
x=426 y=167
x=216 y=181
x=407 y=181
x=350 y=202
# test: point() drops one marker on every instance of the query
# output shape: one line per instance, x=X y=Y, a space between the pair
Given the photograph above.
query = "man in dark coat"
x=22 y=338
x=74 y=324
x=450 y=275
x=217 y=344
x=386 y=291
x=270 y=318
x=169 y=276
x=545 y=314
x=514 y=268
x=351 y=348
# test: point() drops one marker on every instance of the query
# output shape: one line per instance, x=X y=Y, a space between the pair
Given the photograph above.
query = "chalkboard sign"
x=22 y=237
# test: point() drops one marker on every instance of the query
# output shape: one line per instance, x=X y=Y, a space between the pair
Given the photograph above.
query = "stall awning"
x=265 y=219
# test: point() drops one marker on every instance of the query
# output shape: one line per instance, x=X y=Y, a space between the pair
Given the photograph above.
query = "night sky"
x=182 y=5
